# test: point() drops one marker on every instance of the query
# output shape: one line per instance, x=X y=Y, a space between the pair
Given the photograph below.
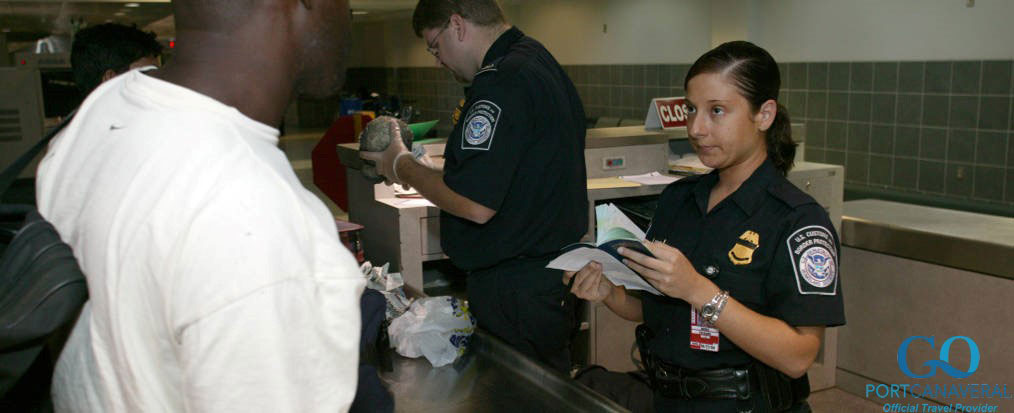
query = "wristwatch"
x=712 y=309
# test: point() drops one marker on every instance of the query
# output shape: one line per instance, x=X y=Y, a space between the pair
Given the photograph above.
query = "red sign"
x=666 y=113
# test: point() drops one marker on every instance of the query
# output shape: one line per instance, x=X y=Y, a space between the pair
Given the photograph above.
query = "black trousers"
x=520 y=303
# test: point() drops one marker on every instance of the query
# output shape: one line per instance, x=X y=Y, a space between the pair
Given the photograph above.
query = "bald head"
x=215 y=15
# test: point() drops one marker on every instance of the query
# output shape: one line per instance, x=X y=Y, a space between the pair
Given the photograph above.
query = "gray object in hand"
x=376 y=137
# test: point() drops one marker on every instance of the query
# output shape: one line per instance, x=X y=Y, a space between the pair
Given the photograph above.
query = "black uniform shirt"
x=518 y=149
x=769 y=244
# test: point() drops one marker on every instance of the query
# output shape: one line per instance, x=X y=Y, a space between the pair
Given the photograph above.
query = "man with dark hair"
x=216 y=281
x=513 y=189
x=101 y=52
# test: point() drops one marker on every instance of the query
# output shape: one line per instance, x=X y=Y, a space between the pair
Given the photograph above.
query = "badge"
x=480 y=126
x=814 y=259
x=742 y=252
x=457 y=112
x=703 y=336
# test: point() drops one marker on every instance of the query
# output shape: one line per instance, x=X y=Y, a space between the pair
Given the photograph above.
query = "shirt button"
x=711 y=271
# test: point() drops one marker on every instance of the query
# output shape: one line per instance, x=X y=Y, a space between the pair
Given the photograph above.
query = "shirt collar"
x=748 y=196
x=502 y=45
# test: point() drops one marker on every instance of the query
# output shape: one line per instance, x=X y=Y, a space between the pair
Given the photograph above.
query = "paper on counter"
x=651 y=178
x=413 y=202
x=610 y=182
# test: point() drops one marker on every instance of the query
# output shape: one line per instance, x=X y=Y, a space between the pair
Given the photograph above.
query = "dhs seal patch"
x=480 y=126
x=814 y=259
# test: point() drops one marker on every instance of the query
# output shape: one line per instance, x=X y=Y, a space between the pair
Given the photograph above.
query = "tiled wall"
x=930 y=129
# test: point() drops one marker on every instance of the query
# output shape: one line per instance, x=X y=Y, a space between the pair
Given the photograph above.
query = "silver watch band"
x=716 y=305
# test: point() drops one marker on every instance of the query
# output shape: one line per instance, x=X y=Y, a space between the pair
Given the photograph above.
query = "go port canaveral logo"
x=952 y=397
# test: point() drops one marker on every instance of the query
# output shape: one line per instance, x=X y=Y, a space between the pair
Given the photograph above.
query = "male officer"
x=513 y=189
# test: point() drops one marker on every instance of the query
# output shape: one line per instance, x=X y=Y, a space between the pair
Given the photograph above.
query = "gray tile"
x=931 y=176
x=965 y=78
x=834 y=157
x=883 y=108
x=937 y=77
x=910 y=76
x=1009 y=186
x=906 y=141
x=882 y=139
x=862 y=76
x=991 y=148
x=906 y=173
x=959 y=180
x=838 y=106
x=838 y=76
x=961 y=145
x=859 y=137
x=814 y=154
x=933 y=143
x=816 y=135
x=797 y=105
x=817 y=76
x=859 y=107
x=989 y=183
x=885 y=76
x=816 y=105
x=665 y=75
x=964 y=111
x=628 y=75
x=880 y=170
x=910 y=109
x=638 y=75
x=615 y=74
x=628 y=97
x=1010 y=150
x=996 y=77
x=797 y=76
x=641 y=99
x=651 y=75
x=678 y=74
x=935 y=109
x=836 y=135
x=857 y=167
x=993 y=112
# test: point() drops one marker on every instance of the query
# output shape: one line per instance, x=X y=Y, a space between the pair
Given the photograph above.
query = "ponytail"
x=781 y=147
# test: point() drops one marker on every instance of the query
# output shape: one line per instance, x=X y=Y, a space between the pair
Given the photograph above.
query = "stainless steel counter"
x=957 y=239
x=492 y=377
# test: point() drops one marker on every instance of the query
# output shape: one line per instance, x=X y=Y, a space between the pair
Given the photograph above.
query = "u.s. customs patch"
x=814 y=259
x=480 y=126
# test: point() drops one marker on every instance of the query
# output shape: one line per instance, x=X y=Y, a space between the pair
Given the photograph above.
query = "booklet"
x=613 y=230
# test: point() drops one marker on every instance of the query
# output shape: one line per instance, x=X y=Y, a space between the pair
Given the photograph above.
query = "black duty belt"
x=679 y=383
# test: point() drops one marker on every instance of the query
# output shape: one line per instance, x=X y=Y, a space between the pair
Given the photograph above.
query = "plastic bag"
x=390 y=285
x=437 y=328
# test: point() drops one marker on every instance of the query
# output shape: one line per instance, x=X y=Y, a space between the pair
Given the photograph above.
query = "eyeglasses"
x=432 y=46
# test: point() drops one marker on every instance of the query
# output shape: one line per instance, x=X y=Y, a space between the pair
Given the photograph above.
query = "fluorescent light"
x=359 y=12
x=131 y=5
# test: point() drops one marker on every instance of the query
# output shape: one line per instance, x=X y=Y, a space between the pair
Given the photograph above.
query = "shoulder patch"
x=480 y=126
x=814 y=260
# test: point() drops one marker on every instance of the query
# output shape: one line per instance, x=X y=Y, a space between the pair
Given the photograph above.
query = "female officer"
x=747 y=262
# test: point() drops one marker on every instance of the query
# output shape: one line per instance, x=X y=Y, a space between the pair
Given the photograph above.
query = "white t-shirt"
x=217 y=281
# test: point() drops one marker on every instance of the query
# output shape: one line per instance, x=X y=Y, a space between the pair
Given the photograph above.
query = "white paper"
x=414 y=202
x=651 y=178
x=613 y=270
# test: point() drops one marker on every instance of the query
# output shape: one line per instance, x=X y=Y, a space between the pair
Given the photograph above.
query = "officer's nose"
x=696 y=128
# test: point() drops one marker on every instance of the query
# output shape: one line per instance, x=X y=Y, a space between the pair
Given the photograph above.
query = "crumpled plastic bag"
x=437 y=328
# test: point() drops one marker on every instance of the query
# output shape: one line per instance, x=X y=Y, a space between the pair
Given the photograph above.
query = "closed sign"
x=666 y=113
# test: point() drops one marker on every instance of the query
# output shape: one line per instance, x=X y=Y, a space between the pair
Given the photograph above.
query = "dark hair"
x=756 y=75
x=108 y=46
x=431 y=14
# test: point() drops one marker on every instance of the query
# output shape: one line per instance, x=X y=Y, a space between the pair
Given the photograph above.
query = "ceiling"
x=27 y=21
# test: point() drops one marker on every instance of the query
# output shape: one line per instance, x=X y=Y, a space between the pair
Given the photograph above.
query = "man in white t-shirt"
x=217 y=281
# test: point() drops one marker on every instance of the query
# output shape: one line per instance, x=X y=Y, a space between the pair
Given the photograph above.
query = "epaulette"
x=492 y=67
x=790 y=194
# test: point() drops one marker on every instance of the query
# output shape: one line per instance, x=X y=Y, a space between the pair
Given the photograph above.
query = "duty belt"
x=680 y=383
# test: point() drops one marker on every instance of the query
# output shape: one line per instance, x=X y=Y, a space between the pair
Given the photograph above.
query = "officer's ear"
x=457 y=24
x=766 y=115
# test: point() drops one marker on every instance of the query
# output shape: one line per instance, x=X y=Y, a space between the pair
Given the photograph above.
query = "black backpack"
x=42 y=290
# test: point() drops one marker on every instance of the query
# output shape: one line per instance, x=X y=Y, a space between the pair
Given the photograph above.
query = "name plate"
x=666 y=113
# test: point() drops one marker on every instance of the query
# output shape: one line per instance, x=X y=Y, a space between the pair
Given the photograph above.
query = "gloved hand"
x=385 y=160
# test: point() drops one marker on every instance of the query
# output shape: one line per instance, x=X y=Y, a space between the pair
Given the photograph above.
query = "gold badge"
x=742 y=252
x=457 y=112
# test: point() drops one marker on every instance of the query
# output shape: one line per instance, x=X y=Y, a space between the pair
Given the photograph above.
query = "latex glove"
x=385 y=160
x=589 y=283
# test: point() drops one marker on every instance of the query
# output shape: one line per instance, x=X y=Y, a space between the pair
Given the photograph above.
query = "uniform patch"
x=814 y=259
x=742 y=252
x=480 y=126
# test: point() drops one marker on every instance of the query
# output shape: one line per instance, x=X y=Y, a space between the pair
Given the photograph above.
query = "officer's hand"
x=670 y=271
x=589 y=283
x=385 y=160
